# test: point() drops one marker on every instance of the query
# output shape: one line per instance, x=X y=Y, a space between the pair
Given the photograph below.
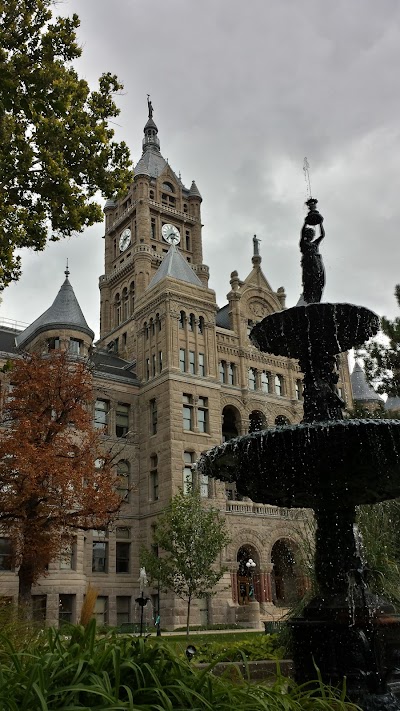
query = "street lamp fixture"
x=251 y=566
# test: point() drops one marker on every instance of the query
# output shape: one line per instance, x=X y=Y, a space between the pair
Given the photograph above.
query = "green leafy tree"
x=382 y=358
x=56 y=144
x=188 y=538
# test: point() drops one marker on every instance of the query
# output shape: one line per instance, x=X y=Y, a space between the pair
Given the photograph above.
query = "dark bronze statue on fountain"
x=311 y=260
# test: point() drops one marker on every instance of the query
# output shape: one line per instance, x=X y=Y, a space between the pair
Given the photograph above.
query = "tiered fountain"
x=329 y=464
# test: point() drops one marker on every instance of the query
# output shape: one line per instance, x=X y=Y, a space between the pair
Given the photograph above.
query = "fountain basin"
x=329 y=328
x=332 y=463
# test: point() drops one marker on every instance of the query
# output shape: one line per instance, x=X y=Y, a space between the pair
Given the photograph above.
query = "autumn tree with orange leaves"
x=49 y=484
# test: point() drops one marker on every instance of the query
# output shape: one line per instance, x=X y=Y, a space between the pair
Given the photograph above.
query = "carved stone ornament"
x=258 y=308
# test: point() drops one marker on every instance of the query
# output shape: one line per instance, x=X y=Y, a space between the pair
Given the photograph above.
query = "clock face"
x=125 y=239
x=171 y=234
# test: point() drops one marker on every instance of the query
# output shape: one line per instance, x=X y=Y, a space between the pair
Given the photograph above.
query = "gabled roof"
x=64 y=312
x=175 y=266
x=362 y=391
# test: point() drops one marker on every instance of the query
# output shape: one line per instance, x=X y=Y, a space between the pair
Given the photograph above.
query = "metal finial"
x=306 y=169
x=67 y=272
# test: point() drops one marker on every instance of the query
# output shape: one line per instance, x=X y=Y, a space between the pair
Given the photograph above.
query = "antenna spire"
x=306 y=170
x=67 y=272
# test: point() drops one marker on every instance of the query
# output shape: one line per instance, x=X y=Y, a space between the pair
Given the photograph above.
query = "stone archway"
x=248 y=577
x=286 y=577
x=231 y=423
x=257 y=421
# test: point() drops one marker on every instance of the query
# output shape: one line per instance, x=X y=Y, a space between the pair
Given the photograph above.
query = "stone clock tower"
x=137 y=237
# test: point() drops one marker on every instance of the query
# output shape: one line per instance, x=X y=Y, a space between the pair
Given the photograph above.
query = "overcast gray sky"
x=242 y=91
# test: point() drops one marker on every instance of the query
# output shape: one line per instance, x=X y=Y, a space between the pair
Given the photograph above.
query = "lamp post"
x=142 y=600
x=251 y=565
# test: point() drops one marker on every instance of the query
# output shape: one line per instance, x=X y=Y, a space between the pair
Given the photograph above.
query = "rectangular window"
x=122 y=420
x=203 y=486
x=299 y=389
x=252 y=379
x=231 y=374
x=202 y=367
x=123 y=609
x=182 y=359
x=99 y=557
x=265 y=381
x=153 y=365
x=222 y=371
x=154 y=478
x=192 y=365
x=159 y=361
x=39 y=605
x=123 y=484
x=147 y=368
x=188 y=459
x=153 y=417
x=278 y=385
x=202 y=414
x=5 y=554
x=75 y=346
x=153 y=228
x=101 y=610
x=53 y=344
x=68 y=557
x=101 y=410
x=187 y=412
x=122 y=557
x=187 y=240
x=66 y=604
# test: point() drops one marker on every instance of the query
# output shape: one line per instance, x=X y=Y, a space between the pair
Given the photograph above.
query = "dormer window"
x=53 y=344
x=75 y=346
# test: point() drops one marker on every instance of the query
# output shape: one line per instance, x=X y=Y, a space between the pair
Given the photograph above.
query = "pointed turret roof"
x=194 y=191
x=362 y=391
x=175 y=266
x=64 y=312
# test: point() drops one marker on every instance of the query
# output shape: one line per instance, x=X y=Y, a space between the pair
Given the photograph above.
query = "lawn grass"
x=180 y=642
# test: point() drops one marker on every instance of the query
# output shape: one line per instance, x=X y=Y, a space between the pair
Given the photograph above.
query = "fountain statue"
x=329 y=464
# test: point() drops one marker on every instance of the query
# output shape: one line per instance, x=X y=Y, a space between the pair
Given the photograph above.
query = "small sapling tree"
x=189 y=538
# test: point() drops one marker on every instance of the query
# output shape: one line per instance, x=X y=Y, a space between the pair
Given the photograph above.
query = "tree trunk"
x=25 y=579
x=188 y=617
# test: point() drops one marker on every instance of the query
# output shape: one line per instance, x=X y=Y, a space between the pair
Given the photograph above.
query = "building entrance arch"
x=287 y=581
x=248 y=576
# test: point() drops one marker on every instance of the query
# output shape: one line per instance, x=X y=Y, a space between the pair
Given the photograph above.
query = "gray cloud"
x=242 y=92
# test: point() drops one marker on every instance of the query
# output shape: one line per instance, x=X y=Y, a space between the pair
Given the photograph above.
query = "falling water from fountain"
x=329 y=464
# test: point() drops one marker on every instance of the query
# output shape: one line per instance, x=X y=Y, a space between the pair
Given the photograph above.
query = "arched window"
x=200 y=325
x=257 y=421
x=182 y=319
x=158 y=322
x=281 y=421
x=123 y=472
x=125 y=304
x=191 y=322
x=152 y=327
x=168 y=186
x=230 y=423
x=117 y=309
x=146 y=329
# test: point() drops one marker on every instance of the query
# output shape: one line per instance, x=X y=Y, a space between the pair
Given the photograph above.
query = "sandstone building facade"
x=174 y=376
